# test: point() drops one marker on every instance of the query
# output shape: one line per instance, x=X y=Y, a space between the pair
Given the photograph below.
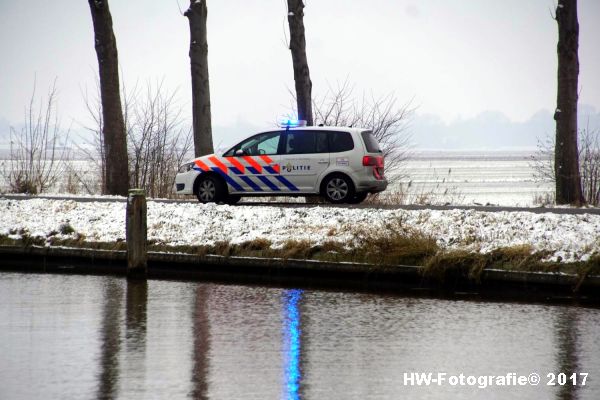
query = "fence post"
x=136 y=234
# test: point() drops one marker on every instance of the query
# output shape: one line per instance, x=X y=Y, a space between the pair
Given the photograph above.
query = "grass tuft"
x=66 y=229
x=460 y=262
x=259 y=244
x=302 y=249
x=395 y=244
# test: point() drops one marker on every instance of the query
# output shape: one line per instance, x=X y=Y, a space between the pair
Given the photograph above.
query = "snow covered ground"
x=570 y=237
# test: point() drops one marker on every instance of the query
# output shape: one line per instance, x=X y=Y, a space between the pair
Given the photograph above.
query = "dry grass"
x=545 y=199
x=471 y=264
x=392 y=245
x=515 y=258
x=457 y=261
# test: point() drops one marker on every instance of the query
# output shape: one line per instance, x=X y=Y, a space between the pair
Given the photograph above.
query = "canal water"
x=90 y=337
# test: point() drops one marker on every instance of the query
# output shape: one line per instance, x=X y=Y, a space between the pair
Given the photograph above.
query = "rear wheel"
x=358 y=198
x=210 y=189
x=338 y=189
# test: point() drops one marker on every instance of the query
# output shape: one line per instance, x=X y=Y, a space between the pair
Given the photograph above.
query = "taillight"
x=370 y=161
x=377 y=163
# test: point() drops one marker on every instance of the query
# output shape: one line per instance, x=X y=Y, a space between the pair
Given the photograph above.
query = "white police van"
x=343 y=165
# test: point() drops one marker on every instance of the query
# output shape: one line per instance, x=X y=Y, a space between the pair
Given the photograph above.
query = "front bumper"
x=184 y=182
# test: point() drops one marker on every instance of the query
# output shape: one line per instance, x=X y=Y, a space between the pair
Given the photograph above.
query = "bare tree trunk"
x=115 y=141
x=566 y=156
x=196 y=15
x=298 y=49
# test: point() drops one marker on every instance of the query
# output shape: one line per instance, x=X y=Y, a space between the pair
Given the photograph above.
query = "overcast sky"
x=460 y=61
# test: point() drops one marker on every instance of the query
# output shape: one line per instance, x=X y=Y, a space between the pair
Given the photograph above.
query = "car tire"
x=232 y=199
x=210 y=189
x=358 y=198
x=337 y=189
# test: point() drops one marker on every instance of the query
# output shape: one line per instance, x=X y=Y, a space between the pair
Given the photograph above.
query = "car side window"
x=322 y=142
x=268 y=144
x=306 y=142
x=340 y=141
x=300 y=142
x=262 y=144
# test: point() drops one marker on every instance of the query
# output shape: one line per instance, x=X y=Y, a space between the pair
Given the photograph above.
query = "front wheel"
x=232 y=199
x=210 y=189
x=338 y=189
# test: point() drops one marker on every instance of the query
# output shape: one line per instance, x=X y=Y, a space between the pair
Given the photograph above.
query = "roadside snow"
x=568 y=237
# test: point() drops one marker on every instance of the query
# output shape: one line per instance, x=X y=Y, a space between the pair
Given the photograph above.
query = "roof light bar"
x=292 y=123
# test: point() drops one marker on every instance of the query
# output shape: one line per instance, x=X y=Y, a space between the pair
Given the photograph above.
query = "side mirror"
x=239 y=153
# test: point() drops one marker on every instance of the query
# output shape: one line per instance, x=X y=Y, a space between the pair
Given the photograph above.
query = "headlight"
x=185 y=167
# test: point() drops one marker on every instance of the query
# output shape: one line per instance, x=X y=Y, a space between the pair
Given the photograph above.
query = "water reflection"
x=201 y=343
x=122 y=359
x=110 y=339
x=566 y=356
x=104 y=337
x=134 y=352
x=135 y=315
x=292 y=336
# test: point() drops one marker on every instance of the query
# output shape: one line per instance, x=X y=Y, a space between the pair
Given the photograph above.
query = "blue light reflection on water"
x=291 y=346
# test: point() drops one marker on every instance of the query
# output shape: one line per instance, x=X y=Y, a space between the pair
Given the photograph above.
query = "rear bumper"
x=372 y=185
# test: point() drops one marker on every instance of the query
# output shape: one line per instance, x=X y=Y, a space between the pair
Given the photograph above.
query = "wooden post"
x=136 y=234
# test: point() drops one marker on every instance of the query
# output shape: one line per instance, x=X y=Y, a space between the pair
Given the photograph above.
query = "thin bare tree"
x=589 y=163
x=566 y=157
x=113 y=125
x=589 y=157
x=158 y=143
x=93 y=149
x=388 y=120
x=302 y=80
x=39 y=151
x=157 y=139
x=197 y=14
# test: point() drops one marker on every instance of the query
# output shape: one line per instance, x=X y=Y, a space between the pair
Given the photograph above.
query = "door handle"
x=323 y=161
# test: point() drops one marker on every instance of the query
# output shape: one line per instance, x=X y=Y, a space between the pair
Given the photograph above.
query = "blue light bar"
x=292 y=123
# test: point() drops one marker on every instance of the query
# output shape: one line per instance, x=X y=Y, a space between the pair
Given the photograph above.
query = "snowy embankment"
x=566 y=237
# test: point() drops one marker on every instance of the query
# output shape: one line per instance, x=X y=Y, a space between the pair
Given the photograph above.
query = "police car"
x=343 y=165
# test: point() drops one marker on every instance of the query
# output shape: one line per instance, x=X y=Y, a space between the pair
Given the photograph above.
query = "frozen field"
x=482 y=177
x=490 y=177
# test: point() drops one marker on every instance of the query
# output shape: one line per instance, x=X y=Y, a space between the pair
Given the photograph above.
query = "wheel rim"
x=207 y=190
x=337 y=189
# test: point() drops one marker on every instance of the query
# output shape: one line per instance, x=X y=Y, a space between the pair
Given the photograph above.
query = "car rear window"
x=340 y=141
x=370 y=142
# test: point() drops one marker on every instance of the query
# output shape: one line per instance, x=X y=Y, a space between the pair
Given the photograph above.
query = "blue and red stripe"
x=229 y=181
x=250 y=183
x=287 y=183
x=270 y=184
